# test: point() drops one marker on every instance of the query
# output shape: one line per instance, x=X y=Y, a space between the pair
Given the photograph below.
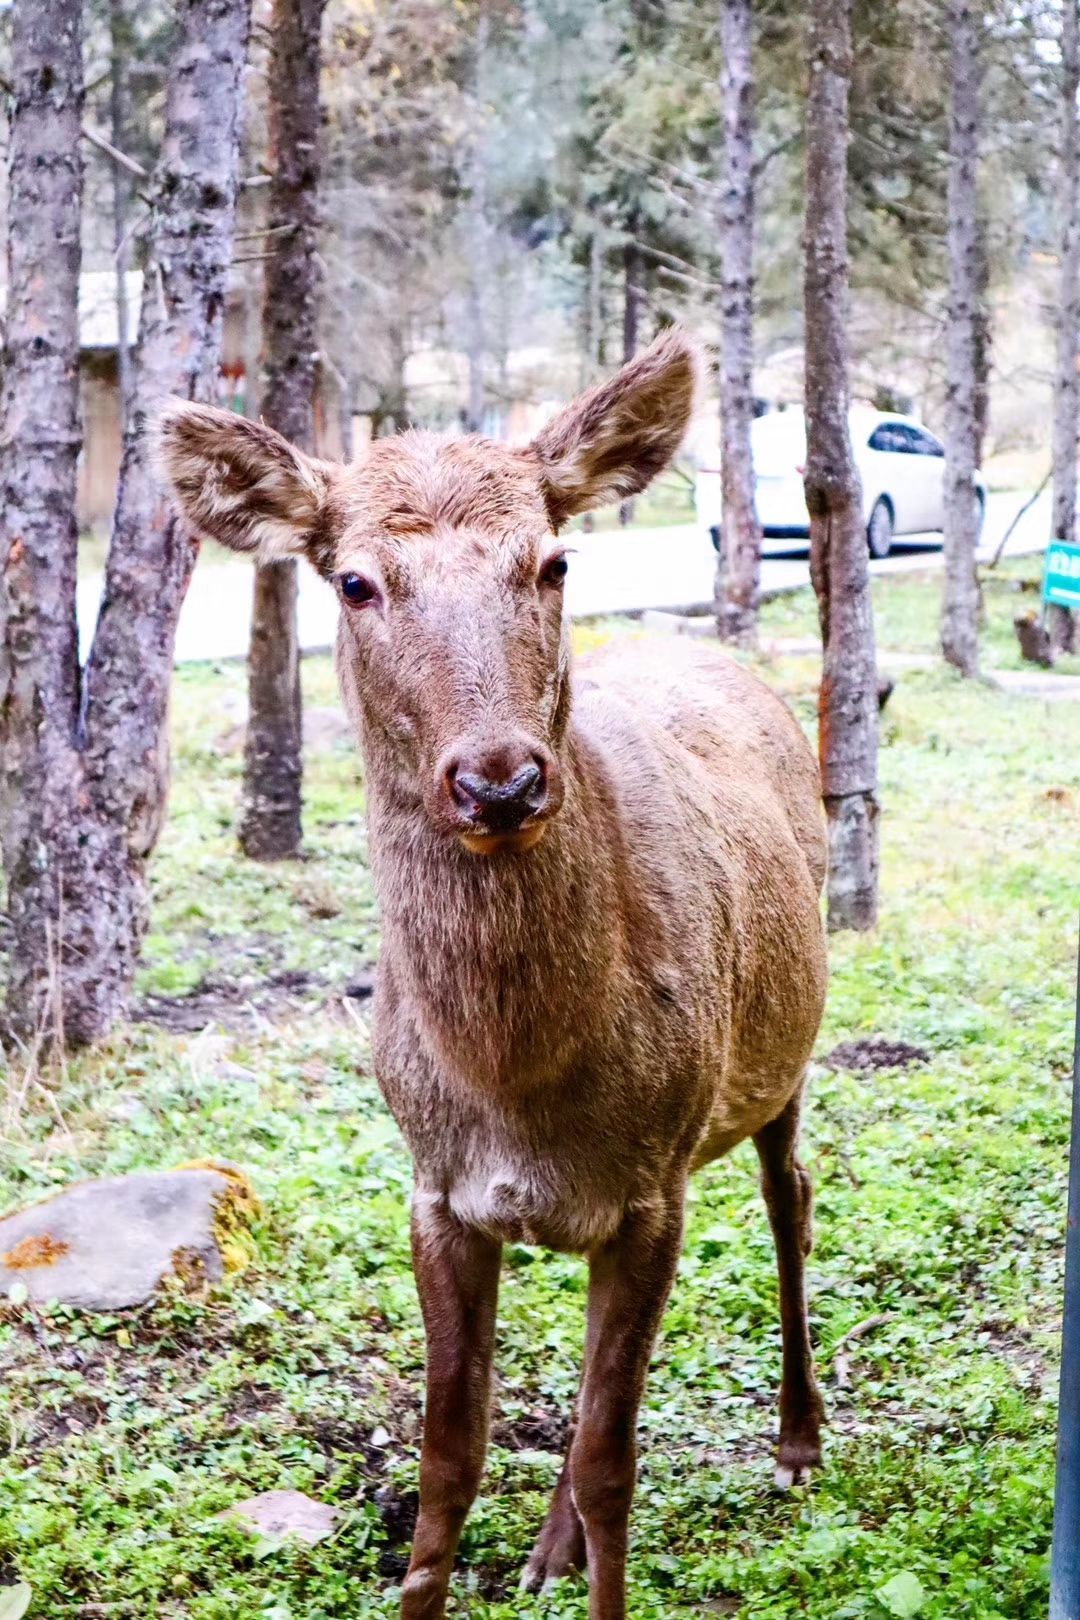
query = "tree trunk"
x=1061 y=621
x=839 y=562
x=49 y=866
x=475 y=340
x=593 y=315
x=477 y=245
x=85 y=772
x=121 y=42
x=252 y=361
x=960 y=603
x=273 y=758
x=984 y=342
x=633 y=296
x=739 y=570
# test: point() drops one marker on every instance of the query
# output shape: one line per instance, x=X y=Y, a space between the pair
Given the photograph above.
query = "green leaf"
x=904 y=1595
x=14 y=1601
x=18 y=1294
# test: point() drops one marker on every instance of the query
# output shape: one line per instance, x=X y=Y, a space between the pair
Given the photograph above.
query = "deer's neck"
x=504 y=959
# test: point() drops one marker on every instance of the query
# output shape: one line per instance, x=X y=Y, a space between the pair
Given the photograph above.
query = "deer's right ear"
x=243 y=485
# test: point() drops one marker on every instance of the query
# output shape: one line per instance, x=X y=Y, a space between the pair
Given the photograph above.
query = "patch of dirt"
x=250 y=1403
x=535 y=1431
x=492 y=1584
x=875 y=1052
x=398 y=1511
x=56 y=1428
x=228 y=1002
x=235 y=1004
x=1015 y=1346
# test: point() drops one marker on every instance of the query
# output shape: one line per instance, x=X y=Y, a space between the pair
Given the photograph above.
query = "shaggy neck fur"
x=503 y=957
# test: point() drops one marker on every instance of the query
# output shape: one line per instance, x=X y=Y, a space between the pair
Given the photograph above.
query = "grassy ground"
x=906 y=613
x=940 y=1211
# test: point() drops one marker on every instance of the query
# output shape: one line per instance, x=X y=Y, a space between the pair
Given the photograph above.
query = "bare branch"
x=132 y=165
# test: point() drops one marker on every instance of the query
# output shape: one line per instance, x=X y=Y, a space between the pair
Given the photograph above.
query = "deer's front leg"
x=457 y=1276
x=629 y=1282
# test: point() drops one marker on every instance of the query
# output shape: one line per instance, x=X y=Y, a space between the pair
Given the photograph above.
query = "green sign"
x=1061 y=582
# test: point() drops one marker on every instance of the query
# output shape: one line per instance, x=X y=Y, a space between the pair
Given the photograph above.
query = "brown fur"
x=566 y=1027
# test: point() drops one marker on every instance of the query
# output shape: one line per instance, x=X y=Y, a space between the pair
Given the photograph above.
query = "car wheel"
x=879 y=530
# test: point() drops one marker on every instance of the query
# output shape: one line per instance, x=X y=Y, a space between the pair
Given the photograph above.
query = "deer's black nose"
x=500 y=803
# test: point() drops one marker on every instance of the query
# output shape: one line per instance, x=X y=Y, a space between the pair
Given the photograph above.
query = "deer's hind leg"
x=789 y=1198
x=560 y=1546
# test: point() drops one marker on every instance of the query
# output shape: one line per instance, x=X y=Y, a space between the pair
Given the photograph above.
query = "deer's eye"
x=357 y=590
x=555 y=569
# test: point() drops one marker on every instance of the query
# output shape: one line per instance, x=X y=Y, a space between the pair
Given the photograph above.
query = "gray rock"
x=107 y=1245
x=279 y=1514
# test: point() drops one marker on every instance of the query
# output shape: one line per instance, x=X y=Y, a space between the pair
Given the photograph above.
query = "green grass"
x=905 y=613
x=940 y=1199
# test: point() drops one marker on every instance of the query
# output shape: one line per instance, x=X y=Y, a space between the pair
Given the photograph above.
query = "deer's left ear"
x=612 y=441
x=244 y=485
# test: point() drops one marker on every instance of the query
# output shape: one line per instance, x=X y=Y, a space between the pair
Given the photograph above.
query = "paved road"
x=619 y=572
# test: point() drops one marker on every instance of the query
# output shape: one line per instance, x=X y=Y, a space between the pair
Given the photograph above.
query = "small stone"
x=126 y=1107
x=107 y=1245
x=380 y=1437
x=280 y=1514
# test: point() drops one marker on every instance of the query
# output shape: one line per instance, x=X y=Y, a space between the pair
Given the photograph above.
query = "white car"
x=901 y=465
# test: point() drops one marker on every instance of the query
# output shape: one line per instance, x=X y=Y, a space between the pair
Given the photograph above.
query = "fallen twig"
x=842 y=1362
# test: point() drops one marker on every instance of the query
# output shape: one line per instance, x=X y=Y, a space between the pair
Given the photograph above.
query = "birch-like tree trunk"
x=270 y=826
x=1061 y=621
x=839 y=561
x=121 y=42
x=49 y=867
x=960 y=601
x=85 y=768
x=984 y=341
x=738 y=576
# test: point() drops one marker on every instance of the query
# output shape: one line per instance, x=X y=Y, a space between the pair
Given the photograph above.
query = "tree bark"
x=839 y=561
x=121 y=43
x=477 y=246
x=270 y=827
x=48 y=866
x=984 y=342
x=1061 y=621
x=85 y=767
x=960 y=602
x=633 y=297
x=738 y=576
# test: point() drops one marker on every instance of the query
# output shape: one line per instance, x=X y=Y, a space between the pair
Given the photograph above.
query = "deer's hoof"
x=554 y=1557
x=796 y=1456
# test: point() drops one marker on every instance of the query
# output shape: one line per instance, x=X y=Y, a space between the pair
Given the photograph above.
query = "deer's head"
x=446 y=557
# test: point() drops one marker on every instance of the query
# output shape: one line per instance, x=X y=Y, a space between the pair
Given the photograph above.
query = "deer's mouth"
x=495 y=843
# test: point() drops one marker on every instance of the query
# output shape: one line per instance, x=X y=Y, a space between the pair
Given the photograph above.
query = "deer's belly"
x=519 y=1201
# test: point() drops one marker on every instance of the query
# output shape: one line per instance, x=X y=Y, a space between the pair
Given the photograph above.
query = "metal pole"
x=1065 y=1564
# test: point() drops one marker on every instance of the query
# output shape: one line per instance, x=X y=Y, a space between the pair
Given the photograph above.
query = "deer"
x=603 y=962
